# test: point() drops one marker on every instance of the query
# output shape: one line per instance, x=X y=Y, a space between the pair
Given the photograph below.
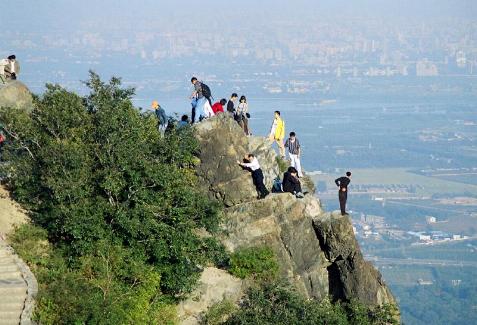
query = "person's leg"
x=245 y=125
x=341 y=196
x=259 y=183
x=281 y=146
x=293 y=160
x=298 y=166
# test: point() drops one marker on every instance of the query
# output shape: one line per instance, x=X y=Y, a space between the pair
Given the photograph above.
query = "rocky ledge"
x=317 y=250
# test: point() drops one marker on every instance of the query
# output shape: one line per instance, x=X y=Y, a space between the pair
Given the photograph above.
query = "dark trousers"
x=257 y=176
x=193 y=115
x=343 y=196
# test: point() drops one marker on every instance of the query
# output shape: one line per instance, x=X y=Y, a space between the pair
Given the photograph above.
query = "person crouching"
x=291 y=183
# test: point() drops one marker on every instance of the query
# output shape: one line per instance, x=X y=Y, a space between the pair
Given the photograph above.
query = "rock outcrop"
x=15 y=94
x=317 y=251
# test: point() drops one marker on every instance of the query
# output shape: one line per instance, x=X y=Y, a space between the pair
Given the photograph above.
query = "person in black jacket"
x=291 y=183
x=343 y=183
x=231 y=104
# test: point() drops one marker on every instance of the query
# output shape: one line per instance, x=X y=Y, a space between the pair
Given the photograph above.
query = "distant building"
x=425 y=237
x=425 y=68
x=424 y=282
x=430 y=219
x=456 y=283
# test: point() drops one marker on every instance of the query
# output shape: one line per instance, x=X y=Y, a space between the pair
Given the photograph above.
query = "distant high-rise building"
x=425 y=68
x=460 y=59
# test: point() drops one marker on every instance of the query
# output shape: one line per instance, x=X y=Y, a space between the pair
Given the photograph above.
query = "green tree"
x=95 y=168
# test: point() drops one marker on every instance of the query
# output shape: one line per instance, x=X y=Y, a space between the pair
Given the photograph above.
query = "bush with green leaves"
x=95 y=168
x=258 y=262
x=113 y=285
x=280 y=304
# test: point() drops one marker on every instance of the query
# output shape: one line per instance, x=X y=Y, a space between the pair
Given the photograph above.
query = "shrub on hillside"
x=258 y=262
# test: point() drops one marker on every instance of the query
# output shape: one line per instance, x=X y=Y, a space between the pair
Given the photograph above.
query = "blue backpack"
x=277 y=185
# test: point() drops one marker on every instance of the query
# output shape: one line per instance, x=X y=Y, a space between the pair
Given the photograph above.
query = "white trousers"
x=295 y=162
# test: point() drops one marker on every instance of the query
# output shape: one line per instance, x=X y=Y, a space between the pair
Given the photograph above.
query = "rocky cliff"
x=317 y=250
x=15 y=94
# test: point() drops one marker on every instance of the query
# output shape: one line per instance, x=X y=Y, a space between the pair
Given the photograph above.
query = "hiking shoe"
x=300 y=195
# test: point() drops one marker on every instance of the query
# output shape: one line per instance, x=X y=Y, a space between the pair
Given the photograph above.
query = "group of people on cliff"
x=204 y=108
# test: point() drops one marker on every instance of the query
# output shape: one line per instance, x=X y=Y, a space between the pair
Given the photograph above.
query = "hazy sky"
x=72 y=14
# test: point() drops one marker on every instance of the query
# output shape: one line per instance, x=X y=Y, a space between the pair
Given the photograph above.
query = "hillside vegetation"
x=116 y=214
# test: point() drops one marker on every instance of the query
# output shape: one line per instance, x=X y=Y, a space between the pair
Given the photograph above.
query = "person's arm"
x=337 y=182
x=299 y=147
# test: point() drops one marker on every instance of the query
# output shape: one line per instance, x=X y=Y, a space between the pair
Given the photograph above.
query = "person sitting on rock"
x=9 y=69
x=291 y=183
x=257 y=175
x=219 y=106
x=183 y=122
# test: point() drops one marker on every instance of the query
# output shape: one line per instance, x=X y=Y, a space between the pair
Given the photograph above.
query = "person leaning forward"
x=257 y=175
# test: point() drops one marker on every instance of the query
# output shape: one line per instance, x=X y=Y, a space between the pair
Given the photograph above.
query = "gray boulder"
x=15 y=94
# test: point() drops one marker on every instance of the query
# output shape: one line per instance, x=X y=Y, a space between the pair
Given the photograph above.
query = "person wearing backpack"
x=201 y=90
x=162 y=121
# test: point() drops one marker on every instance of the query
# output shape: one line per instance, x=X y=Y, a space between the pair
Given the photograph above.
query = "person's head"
x=223 y=101
x=12 y=57
x=348 y=174
x=155 y=104
x=185 y=118
x=243 y=99
x=193 y=80
x=234 y=97
x=292 y=171
x=277 y=114
x=250 y=157
x=292 y=135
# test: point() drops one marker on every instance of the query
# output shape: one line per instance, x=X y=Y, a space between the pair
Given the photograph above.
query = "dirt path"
x=10 y=213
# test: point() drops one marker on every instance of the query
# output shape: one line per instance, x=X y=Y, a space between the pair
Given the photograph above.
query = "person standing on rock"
x=242 y=115
x=162 y=120
x=277 y=133
x=294 y=151
x=257 y=174
x=343 y=183
x=291 y=183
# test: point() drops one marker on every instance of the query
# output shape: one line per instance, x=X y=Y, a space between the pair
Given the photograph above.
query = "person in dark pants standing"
x=343 y=183
x=257 y=174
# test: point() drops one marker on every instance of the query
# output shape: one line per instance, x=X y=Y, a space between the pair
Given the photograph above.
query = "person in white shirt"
x=9 y=68
x=257 y=174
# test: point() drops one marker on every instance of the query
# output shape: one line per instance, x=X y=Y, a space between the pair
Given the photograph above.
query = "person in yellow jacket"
x=277 y=133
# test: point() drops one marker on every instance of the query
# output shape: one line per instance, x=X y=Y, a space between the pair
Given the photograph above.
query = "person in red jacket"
x=219 y=106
